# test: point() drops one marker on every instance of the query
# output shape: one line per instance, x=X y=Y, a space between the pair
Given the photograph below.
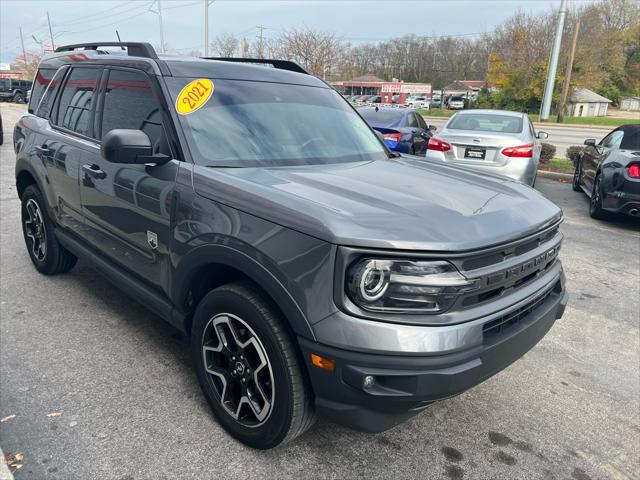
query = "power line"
x=99 y=14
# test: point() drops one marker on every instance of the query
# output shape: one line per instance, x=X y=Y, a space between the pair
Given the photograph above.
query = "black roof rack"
x=279 y=64
x=134 y=49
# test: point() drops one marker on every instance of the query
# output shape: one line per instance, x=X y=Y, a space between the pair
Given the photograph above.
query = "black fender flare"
x=209 y=254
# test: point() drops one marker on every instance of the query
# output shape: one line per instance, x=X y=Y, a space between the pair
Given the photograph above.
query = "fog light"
x=368 y=381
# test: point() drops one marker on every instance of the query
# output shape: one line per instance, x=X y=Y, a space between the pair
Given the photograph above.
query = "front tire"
x=248 y=367
x=18 y=98
x=575 y=185
x=595 y=205
x=47 y=254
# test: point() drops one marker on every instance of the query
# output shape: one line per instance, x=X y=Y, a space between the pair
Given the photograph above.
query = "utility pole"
x=207 y=3
x=261 y=41
x=159 y=12
x=24 y=52
x=545 y=109
x=53 y=47
x=567 y=78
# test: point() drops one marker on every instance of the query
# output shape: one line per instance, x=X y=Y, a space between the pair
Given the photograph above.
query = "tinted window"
x=44 y=109
x=40 y=83
x=486 y=122
x=421 y=123
x=631 y=141
x=412 y=121
x=76 y=102
x=130 y=103
x=251 y=124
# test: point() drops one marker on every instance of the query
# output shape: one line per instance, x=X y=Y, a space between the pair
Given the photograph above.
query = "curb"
x=555 y=175
x=542 y=125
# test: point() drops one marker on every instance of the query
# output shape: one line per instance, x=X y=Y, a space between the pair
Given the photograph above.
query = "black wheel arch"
x=208 y=266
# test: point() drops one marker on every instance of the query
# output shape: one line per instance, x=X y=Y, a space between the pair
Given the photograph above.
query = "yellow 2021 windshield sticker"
x=194 y=96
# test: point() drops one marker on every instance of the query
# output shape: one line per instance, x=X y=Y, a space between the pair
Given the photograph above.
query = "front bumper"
x=405 y=384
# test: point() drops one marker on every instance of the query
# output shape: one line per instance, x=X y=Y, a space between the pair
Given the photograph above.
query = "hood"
x=401 y=203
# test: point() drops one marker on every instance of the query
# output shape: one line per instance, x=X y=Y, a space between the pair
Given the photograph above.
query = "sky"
x=356 y=21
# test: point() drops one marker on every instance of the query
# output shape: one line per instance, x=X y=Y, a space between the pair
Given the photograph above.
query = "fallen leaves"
x=13 y=460
x=7 y=418
x=54 y=414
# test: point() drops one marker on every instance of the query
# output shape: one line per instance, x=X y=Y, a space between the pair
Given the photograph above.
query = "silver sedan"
x=495 y=141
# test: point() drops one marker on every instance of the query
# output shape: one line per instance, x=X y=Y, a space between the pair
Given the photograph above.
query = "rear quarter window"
x=40 y=83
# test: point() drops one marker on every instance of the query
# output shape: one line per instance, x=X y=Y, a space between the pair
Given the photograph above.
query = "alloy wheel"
x=35 y=229
x=238 y=369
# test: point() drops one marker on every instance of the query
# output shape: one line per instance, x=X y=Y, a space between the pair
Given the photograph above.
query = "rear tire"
x=595 y=205
x=576 y=178
x=248 y=367
x=47 y=254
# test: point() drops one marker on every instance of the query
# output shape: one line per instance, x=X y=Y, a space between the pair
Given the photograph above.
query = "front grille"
x=502 y=254
x=497 y=327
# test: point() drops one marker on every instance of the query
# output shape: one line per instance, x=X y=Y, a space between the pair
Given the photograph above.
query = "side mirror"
x=590 y=142
x=433 y=128
x=542 y=135
x=129 y=146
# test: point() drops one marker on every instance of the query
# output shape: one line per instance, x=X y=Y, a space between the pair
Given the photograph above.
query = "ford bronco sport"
x=249 y=205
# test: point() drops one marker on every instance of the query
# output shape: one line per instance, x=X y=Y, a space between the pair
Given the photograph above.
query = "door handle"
x=42 y=150
x=94 y=171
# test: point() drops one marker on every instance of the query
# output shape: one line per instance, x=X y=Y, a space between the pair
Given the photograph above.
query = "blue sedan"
x=404 y=130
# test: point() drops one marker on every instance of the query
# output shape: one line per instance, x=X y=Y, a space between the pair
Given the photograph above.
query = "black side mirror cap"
x=433 y=128
x=129 y=146
x=591 y=142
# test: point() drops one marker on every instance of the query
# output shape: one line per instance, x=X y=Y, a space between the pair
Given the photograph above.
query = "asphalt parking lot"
x=126 y=404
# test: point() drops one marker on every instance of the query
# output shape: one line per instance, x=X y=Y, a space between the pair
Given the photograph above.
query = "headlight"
x=384 y=285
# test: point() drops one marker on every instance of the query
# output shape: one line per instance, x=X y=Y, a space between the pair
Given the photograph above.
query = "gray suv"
x=253 y=209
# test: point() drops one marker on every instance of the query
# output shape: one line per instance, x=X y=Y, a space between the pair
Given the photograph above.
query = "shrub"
x=573 y=152
x=547 y=153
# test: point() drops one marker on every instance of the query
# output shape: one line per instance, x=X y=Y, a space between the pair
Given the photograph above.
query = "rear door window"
x=130 y=102
x=75 y=108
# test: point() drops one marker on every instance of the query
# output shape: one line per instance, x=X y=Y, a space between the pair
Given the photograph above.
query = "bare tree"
x=225 y=45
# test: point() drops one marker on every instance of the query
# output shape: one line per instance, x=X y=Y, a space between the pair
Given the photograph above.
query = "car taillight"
x=438 y=145
x=392 y=139
x=634 y=170
x=523 y=151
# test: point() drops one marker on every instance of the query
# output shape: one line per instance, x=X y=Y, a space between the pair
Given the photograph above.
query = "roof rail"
x=279 y=64
x=134 y=49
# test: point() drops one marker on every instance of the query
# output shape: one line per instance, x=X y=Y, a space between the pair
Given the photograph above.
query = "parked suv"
x=252 y=208
x=13 y=90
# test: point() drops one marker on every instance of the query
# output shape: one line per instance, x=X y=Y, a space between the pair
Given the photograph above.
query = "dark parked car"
x=403 y=130
x=609 y=173
x=13 y=90
x=314 y=270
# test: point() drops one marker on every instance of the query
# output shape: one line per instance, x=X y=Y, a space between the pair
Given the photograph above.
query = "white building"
x=631 y=104
x=586 y=103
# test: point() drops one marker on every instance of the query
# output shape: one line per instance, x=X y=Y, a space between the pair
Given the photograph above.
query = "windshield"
x=486 y=122
x=381 y=116
x=252 y=124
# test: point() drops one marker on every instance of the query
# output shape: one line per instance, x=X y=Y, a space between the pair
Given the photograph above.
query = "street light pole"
x=553 y=64
x=206 y=28
x=53 y=47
